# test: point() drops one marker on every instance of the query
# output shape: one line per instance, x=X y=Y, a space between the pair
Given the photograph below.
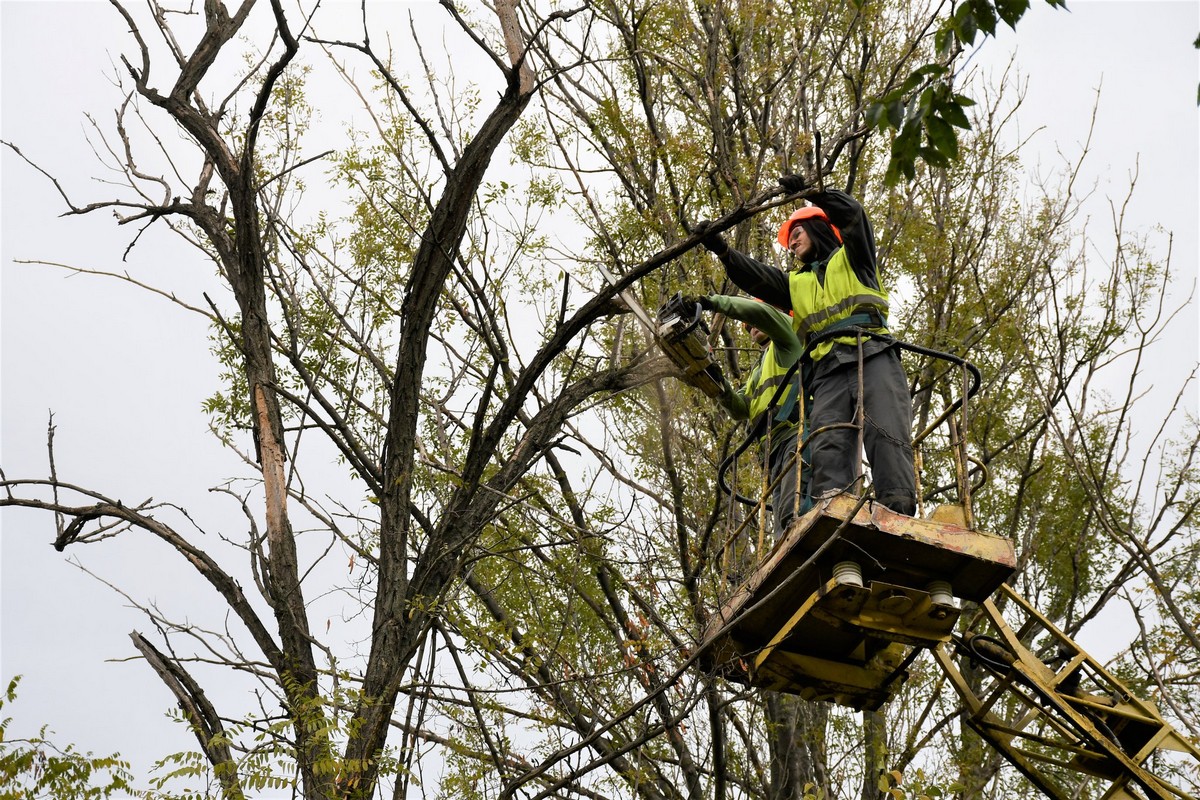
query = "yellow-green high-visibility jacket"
x=817 y=307
x=760 y=387
x=848 y=285
x=782 y=351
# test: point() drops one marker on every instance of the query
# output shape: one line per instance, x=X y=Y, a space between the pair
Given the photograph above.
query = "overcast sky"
x=125 y=373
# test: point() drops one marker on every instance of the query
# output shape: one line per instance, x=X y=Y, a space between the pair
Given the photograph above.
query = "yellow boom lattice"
x=1057 y=715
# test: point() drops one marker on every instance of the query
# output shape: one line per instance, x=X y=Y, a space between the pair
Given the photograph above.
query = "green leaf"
x=927 y=99
x=874 y=115
x=941 y=136
x=911 y=82
x=920 y=76
x=1011 y=10
x=985 y=16
x=908 y=141
x=943 y=40
x=914 y=112
x=965 y=25
x=952 y=112
x=932 y=157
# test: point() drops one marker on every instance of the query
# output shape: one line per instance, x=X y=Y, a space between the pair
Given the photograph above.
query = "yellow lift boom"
x=1061 y=719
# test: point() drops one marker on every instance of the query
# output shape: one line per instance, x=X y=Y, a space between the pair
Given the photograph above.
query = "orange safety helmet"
x=807 y=212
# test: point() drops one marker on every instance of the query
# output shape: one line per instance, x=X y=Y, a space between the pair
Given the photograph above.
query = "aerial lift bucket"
x=853 y=592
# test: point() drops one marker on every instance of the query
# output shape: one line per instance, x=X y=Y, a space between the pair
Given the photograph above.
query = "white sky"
x=1132 y=63
x=125 y=373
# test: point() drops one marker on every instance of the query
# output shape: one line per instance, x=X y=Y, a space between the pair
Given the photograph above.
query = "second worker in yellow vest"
x=772 y=424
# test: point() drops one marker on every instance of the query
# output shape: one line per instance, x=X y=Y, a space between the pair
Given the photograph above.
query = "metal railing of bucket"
x=969 y=473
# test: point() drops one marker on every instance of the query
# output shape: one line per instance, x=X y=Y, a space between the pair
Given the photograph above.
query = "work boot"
x=900 y=503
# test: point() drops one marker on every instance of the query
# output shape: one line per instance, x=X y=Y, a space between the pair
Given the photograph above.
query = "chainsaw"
x=683 y=336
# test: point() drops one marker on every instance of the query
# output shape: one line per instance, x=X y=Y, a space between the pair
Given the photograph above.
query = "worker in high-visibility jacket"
x=775 y=424
x=836 y=285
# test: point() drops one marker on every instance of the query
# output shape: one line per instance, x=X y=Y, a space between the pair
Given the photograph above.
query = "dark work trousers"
x=782 y=461
x=888 y=428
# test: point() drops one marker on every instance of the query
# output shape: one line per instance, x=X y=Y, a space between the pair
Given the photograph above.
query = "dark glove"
x=710 y=238
x=792 y=183
x=698 y=300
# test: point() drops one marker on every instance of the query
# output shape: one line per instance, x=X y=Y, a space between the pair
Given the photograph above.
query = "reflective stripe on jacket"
x=761 y=386
x=818 y=306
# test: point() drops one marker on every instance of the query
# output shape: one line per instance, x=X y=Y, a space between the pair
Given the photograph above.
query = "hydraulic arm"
x=1056 y=714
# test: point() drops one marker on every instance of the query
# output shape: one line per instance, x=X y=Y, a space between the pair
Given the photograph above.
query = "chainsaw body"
x=683 y=336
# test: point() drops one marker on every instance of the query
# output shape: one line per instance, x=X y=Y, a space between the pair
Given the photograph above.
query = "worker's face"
x=799 y=242
x=758 y=336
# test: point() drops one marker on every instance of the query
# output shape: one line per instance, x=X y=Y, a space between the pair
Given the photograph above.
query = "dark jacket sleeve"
x=757 y=279
x=857 y=237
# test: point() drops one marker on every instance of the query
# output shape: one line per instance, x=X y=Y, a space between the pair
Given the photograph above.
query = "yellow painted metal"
x=791 y=627
x=953 y=513
x=785 y=630
x=1067 y=724
x=896 y=613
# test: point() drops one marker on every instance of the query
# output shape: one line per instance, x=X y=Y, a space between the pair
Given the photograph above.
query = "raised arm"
x=857 y=236
x=768 y=319
x=757 y=279
x=749 y=274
